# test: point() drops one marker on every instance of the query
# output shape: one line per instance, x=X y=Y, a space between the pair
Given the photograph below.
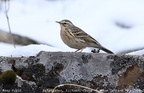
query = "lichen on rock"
x=105 y=72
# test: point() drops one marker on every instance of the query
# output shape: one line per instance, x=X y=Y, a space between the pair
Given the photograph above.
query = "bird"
x=76 y=38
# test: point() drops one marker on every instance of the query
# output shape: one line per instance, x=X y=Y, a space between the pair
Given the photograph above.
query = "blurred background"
x=116 y=24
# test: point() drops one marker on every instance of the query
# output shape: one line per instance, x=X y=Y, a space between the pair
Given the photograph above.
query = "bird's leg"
x=77 y=50
x=80 y=50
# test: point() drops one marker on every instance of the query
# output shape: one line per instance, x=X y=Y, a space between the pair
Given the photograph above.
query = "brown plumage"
x=76 y=38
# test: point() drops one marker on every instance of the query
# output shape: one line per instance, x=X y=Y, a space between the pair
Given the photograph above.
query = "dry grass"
x=76 y=86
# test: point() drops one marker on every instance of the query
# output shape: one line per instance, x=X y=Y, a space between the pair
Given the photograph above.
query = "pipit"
x=76 y=38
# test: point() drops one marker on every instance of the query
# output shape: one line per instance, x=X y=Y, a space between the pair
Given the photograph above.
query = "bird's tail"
x=106 y=50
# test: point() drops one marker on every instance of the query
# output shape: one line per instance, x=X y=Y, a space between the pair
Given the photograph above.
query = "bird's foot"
x=95 y=51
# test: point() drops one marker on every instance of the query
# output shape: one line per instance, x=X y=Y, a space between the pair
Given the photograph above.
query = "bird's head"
x=65 y=23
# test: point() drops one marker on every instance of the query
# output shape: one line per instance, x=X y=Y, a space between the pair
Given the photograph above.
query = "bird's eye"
x=64 y=24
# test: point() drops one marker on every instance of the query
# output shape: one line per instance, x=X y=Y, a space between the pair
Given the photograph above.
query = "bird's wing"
x=79 y=33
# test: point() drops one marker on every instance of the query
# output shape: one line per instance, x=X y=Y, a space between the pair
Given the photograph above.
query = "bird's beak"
x=58 y=22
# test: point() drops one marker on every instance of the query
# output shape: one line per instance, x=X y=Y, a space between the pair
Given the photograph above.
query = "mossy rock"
x=8 y=77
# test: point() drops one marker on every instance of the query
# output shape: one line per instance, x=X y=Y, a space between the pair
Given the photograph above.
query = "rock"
x=18 y=39
x=103 y=72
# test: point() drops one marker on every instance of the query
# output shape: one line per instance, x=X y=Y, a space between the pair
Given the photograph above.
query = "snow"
x=36 y=19
x=31 y=50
